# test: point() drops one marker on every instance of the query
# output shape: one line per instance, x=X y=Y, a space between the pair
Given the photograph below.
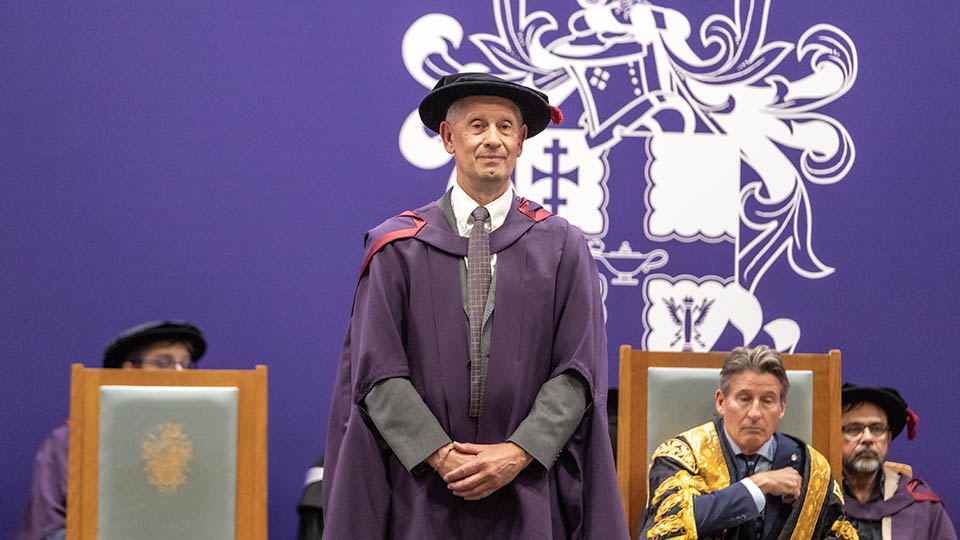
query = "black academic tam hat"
x=152 y=332
x=887 y=399
x=536 y=110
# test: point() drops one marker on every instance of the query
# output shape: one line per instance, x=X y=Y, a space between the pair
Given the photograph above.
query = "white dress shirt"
x=767 y=452
x=463 y=206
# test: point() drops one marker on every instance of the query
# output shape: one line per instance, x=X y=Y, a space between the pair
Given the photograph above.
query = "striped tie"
x=478 y=287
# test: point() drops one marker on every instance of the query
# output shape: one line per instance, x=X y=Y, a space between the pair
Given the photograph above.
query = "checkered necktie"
x=478 y=287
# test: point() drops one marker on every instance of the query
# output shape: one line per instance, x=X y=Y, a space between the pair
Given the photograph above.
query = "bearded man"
x=884 y=500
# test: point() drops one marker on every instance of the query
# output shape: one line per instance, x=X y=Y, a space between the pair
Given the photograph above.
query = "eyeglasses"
x=166 y=361
x=855 y=429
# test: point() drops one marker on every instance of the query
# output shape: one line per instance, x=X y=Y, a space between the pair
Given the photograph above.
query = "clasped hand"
x=474 y=471
x=785 y=482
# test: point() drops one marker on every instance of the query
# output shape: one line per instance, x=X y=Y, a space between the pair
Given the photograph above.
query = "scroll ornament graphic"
x=746 y=109
x=167 y=451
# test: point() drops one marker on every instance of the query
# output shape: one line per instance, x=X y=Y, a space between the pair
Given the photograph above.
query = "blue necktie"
x=755 y=527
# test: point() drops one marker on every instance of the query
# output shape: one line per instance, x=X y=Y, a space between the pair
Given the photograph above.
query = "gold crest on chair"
x=166 y=455
x=167 y=451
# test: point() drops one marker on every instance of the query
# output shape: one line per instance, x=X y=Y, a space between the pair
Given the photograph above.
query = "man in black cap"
x=883 y=501
x=471 y=390
x=153 y=345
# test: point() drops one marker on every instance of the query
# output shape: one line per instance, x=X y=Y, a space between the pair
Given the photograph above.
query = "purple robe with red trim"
x=408 y=321
x=915 y=511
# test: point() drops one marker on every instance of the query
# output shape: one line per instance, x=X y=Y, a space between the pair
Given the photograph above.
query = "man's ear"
x=718 y=401
x=446 y=135
x=523 y=137
x=127 y=365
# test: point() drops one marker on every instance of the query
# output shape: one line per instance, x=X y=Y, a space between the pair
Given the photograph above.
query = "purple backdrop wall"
x=220 y=163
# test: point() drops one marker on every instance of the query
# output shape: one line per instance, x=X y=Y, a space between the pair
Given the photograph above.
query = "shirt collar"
x=877 y=494
x=463 y=206
x=767 y=451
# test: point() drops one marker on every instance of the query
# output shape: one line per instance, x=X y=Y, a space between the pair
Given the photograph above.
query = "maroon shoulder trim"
x=539 y=214
x=912 y=485
x=418 y=223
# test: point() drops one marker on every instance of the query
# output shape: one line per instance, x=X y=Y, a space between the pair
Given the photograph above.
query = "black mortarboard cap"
x=152 y=332
x=887 y=399
x=534 y=106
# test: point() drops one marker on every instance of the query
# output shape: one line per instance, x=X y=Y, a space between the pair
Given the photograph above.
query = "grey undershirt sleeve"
x=413 y=432
x=405 y=422
x=555 y=415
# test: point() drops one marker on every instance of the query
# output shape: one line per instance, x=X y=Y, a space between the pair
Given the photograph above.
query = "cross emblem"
x=555 y=201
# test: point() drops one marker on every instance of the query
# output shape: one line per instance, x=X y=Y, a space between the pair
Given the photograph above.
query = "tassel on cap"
x=556 y=115
x=912 y=420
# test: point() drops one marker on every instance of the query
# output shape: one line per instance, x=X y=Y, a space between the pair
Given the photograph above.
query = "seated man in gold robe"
x=737 y=477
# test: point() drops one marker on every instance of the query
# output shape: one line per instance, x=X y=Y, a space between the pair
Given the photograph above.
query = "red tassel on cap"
x=912 y=420
x=556 y=116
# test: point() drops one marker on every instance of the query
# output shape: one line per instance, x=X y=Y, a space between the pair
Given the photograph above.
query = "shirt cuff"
x=405 y=422
x=556 y=413
x=758 y=498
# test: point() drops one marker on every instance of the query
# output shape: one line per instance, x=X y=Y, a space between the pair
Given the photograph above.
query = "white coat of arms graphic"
x=680 y=139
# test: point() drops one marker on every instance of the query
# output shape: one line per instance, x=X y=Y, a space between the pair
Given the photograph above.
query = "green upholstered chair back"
x=158 y=455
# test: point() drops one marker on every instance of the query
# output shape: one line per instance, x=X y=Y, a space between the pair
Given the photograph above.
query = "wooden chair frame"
x=632 y=412
x=82 y=489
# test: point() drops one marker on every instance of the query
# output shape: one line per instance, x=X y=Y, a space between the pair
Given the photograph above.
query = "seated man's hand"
x=492 y=466
x=784 y=482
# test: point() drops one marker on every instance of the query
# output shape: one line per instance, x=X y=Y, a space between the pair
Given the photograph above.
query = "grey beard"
x=865 y=465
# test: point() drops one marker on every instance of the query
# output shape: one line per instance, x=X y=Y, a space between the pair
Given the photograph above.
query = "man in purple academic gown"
x=152 y=345
x=409 y=455
x=883 y=500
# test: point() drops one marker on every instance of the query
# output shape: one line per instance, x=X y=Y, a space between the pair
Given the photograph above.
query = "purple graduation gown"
x=408 y=320
x=915 y=511
x=47 y=507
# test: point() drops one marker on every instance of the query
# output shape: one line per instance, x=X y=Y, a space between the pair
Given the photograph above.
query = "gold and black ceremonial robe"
x=699 y=463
